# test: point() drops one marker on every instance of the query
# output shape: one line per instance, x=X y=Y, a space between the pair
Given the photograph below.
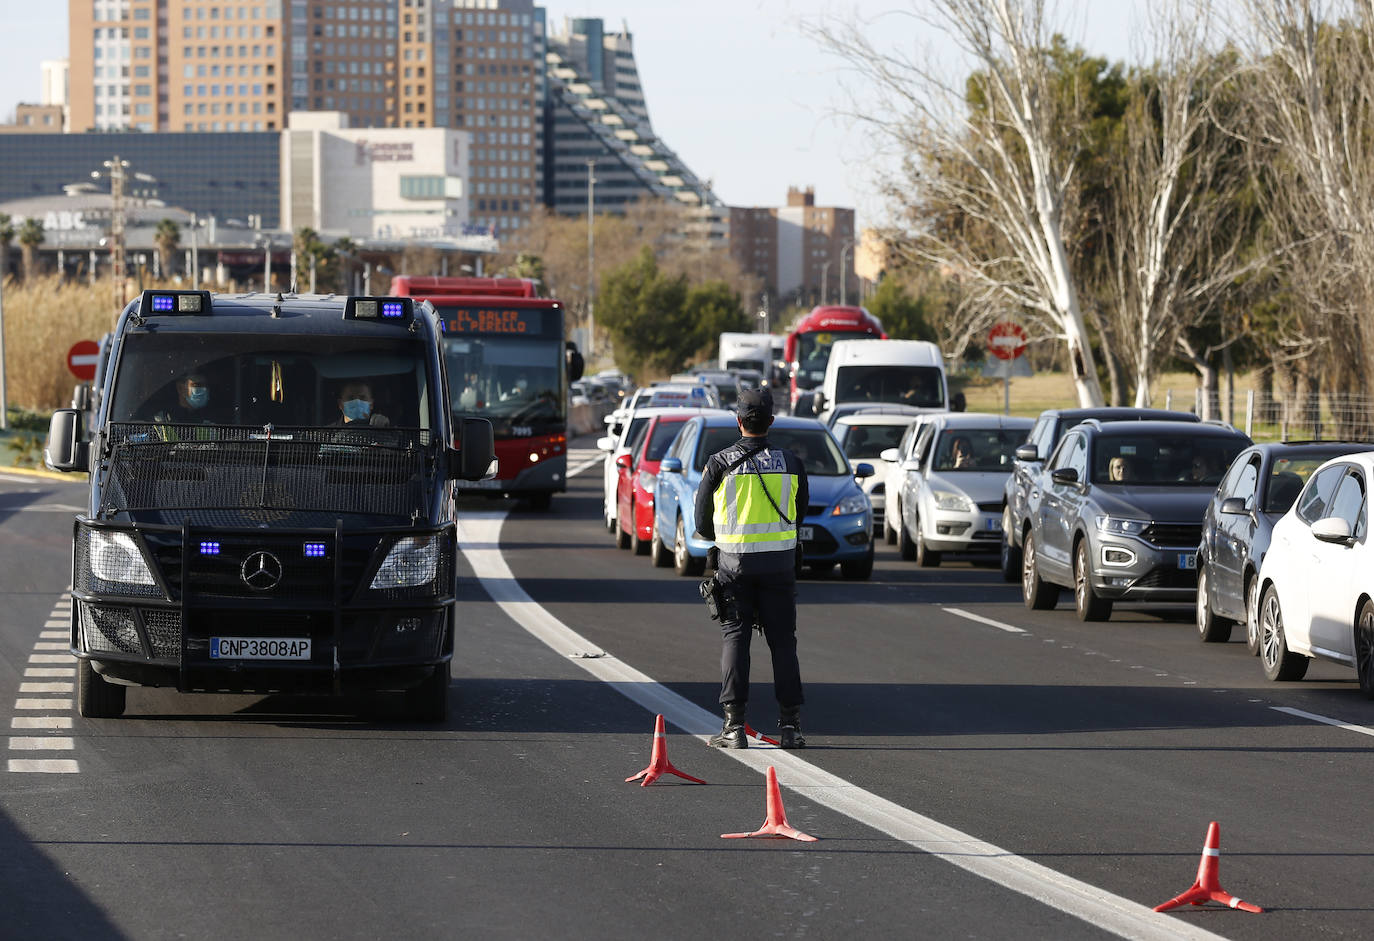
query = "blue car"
x=838 y=524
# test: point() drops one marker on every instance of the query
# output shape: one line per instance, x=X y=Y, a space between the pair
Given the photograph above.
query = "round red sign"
x=82 y=359
x=1007 y=340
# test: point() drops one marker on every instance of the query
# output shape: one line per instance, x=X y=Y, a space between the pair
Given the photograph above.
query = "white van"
x=864 y=373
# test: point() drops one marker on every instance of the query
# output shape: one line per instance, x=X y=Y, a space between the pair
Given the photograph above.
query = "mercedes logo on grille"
x=261 y=571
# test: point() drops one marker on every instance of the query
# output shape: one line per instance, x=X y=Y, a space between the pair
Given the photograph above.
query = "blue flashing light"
x=163 y=303
x=314 y=550
x=209 y=548
x=393 y=309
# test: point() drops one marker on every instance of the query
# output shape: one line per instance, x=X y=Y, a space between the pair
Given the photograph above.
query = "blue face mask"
x=197 y=396
x=357 y=409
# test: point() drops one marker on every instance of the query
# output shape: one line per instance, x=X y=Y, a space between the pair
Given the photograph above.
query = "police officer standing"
x=749 y=502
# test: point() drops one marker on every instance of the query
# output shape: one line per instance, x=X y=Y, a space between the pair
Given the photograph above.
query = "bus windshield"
x=498 y=377
x=813 y=353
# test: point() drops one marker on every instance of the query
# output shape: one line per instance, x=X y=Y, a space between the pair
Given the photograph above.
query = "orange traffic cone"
x=776 y=825
x=1208 y=888
x=659 y=764
x=750 y=730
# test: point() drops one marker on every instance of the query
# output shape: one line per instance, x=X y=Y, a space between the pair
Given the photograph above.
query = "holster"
x=717 y=602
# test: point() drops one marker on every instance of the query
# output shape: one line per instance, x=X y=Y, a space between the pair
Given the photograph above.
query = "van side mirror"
x=1027 y=452
x=66 y=451
x=475 y=458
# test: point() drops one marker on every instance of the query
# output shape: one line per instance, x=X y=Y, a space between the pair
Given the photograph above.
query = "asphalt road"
x=1030 y=776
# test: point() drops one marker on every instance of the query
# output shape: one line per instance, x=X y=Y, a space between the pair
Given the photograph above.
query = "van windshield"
x=920 y=386
x=258 y=379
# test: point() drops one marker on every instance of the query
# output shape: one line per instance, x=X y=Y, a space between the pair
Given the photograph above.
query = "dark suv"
x=1116 y=513
x=1040 y=444
x=1259 y=488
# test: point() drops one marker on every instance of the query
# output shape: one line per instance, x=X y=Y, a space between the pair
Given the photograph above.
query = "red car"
x=635 y=484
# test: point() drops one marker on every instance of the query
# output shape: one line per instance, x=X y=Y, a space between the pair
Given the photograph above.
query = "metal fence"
x=1296 y=417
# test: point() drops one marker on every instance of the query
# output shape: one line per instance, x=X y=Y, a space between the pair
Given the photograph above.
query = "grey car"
x=1116 y=514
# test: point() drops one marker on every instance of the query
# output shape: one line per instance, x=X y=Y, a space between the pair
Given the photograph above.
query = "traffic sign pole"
x=4 y=398
x=1007 y=341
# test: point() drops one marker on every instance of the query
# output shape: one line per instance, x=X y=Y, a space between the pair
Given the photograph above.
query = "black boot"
x=732 y=732
x=789 y=727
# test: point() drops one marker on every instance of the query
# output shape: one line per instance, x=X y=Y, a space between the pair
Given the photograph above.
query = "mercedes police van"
x=272 y=484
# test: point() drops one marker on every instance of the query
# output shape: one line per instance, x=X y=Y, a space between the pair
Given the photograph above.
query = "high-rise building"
x=803 y=253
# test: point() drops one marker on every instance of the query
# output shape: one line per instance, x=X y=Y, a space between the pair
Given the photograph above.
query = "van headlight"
x=412 y=561
x=952 y=500
x=115 y=557
x=855 y=503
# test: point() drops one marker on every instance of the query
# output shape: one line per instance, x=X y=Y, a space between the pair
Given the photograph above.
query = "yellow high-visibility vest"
x=744 y=517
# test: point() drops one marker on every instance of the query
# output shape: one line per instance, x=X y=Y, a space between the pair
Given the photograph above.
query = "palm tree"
x=6 y=237
x=308 y=247
x=31 y=236
x=346 y=250
x=167 y=238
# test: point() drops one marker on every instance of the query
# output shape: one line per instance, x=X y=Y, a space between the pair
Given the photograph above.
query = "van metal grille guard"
x=235 y=475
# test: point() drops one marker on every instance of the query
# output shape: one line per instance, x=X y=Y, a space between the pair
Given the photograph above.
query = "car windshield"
x=663 y=434
x=1287 y=477
x=260 y=378
x=899 y=385
x=1164 y=460
x=813 y=446
x=868 y=442
x=985 y=450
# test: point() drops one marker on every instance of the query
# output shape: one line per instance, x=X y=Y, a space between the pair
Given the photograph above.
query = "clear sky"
x=732 y=85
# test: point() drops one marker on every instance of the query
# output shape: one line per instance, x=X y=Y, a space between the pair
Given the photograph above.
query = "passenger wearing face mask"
x=355 y=407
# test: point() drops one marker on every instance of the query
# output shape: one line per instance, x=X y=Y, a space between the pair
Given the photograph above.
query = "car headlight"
x=115 y=557
x=855 y=503
x=952 y=500
x=1121 y=527
x=647 y=481
x=412 y=561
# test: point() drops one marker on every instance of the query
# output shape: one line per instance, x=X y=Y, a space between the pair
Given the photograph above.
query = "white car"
x=898 y=461
x=952 y=489
x=1315 y=583
x=621 y=439
x=866 y=437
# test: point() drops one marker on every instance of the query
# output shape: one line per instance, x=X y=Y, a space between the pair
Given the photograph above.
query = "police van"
x=271 y=507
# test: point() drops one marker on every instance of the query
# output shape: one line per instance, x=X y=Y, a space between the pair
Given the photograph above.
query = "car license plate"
x=1187 y=560
x=995 y=524
x=479 y=485
x=259 y=648
x=807 y=533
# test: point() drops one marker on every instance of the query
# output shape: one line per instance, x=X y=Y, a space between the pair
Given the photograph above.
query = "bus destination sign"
x=523 y=321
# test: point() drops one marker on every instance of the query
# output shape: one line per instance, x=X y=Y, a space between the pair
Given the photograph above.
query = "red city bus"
x=808 y=346
x=507 y=361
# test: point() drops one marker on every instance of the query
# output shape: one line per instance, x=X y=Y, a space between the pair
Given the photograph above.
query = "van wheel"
x=1038 y=594
x=926 y=557
x=683 y=563
x=428 y=702
x=659 y=554
x=97 y=697
x=1278 y=662
x=1087 y=603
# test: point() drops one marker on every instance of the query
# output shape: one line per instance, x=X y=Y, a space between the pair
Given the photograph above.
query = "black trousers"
x=771 y=600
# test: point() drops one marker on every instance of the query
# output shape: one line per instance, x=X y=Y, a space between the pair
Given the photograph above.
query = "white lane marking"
x=585 y=465
x=44 y=508
x=1096 y=906
x=49 y=645
x=58 y=622
x=53 y=635
x=50 y=658
x=958 y=612
x=47 y=687
x=39 y=672
x=43 y=704
x=28 y=743
x=41 y=722
x=44 y=765
x=14 y=479
x=1349 y=727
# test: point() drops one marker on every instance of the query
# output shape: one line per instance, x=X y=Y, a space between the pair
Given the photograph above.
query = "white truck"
x=864 y=374
x=746 y=351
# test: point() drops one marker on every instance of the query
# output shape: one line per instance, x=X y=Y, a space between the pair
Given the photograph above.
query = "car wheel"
x=859 y=569
x=1087 y=603
x=1212 y=629
x=926 y=557
x=622 y=538
x=1038 y=594
x=683 y=563
x=659 y=554
x=1364 y=649
x=1252 y=639
x=1011 y=556
x=97 y=697
x=905 y=546
x=610 y=523
x=428 y=702
x=637 y=546
x=889 y=534
x=1278 y=662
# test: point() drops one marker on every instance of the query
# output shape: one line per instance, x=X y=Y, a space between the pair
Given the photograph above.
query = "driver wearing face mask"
x=193 y=401
x=355 y=407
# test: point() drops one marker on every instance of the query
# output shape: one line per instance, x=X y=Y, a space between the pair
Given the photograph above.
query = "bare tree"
x=998 y=147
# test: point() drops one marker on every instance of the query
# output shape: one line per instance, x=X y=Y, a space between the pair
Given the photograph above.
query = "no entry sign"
x=1007 y=340
x=82 y=359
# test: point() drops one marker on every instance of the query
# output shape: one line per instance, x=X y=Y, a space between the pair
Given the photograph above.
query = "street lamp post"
x=825 y=279
x=591 y=260
x=844 y=269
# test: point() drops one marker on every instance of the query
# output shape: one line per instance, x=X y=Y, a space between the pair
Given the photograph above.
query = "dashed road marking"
x=44 y=765
x=41 y=722
x=40 y=672
x=50 y=658
x=41 y=692
x=1325 y=720
x=1000 y=625
x=33 y=743
x=43 y=704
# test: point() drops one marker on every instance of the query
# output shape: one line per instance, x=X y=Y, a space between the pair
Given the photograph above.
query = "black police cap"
x=755 y=404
